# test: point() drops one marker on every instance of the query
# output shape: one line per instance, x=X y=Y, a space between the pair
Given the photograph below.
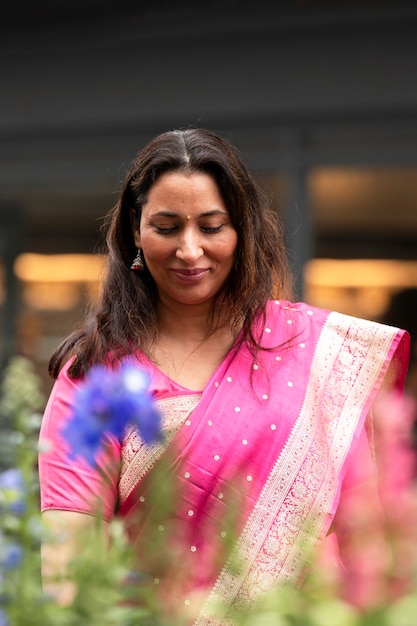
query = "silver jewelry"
x=138 y=265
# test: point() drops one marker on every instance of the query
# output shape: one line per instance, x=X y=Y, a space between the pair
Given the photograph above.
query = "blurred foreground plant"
x=104 y=595
x=108 y=592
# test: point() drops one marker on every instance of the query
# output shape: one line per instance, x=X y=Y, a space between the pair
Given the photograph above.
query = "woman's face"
x=187 y=239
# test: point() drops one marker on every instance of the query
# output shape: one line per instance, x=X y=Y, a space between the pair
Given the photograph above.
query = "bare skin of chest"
x=188 y=362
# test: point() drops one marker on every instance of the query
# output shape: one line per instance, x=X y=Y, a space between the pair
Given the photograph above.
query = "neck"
x=186 y=349
x=191 y=322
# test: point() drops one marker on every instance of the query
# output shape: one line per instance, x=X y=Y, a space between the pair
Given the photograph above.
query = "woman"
x=265 y=402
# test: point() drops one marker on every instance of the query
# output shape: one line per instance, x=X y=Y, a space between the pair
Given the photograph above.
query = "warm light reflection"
x=360 y=273
x=51 y=296
x=58 y=282
x=58 y=268
x=367 y=199
x=361 y=287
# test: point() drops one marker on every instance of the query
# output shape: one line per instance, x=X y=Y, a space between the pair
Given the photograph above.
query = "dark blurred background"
x=320 y=97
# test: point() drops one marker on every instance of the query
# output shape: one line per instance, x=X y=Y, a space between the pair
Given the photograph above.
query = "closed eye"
x=210 y=230
x=165 y=231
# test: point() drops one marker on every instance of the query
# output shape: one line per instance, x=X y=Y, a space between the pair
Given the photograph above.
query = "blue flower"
x=10 y=555
x=12 y=491
x=107 y=401
x=3 y=618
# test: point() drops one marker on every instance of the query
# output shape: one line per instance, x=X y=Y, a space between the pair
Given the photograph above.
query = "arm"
x=375 y=519
x=74 y=495
x=364 y=551
x=68 y=532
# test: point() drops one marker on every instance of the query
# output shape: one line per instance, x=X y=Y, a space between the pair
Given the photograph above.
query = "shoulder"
x=285 y=308
x=61 y=398
x=366 y=331
x=285 y=321
x=295 y=315
x=300 y=317
x=293 y=312
x=64 y=381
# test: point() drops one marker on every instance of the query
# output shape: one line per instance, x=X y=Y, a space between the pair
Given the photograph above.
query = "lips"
x=190 y=276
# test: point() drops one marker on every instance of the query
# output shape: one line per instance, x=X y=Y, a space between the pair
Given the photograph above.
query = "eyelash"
x=207 y=230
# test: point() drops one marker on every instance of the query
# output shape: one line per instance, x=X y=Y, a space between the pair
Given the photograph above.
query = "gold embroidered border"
x=138 y=458
x=284 y=525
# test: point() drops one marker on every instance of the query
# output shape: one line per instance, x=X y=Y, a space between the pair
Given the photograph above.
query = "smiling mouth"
x=190 y=275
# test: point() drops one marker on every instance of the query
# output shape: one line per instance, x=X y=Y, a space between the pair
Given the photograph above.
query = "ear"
x=135 y=228
x=136 y=238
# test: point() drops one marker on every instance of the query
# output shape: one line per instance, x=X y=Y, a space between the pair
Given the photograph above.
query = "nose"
x=189 y=247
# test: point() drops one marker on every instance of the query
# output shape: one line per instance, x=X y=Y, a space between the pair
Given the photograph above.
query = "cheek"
x=226 y=260
x=155 y=249
x=230 y=248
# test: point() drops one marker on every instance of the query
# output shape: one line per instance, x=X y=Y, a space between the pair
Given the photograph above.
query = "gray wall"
x=78 y=98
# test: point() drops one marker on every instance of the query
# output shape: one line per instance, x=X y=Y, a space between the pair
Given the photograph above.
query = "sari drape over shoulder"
x=270 y=441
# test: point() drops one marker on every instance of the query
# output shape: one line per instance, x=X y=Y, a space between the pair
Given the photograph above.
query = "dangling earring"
x=137 y=264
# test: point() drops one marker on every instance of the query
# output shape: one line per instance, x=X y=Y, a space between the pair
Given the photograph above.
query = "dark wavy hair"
x=125 y=317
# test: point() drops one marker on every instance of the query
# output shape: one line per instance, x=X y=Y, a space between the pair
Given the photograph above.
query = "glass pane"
x=359 y=207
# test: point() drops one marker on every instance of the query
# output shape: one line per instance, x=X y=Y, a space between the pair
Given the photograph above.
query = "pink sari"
x=280 y=436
